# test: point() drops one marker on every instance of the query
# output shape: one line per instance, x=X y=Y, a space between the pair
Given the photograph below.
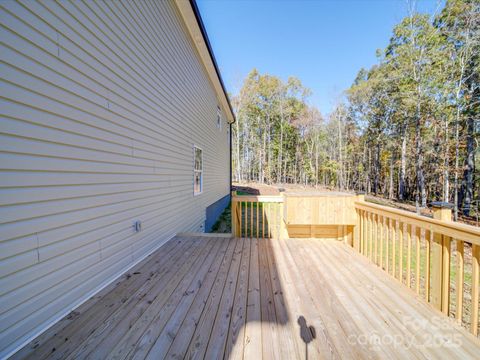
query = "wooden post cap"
x=441 y=205
x=360 y=195
x=442 y=210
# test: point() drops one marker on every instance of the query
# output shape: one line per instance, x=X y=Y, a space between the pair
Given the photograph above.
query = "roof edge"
x=193 y=20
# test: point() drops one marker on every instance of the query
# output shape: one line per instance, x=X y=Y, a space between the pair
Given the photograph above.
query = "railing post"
x=360 y=196
x=475 y=288
x=440 y=293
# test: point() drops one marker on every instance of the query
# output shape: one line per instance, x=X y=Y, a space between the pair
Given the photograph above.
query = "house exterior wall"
x=214 y=211
x=101 y=105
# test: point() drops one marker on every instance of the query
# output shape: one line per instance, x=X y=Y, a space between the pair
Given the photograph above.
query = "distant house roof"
x=191 y=16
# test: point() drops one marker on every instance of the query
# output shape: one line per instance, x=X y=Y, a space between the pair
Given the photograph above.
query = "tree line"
x=407 y=128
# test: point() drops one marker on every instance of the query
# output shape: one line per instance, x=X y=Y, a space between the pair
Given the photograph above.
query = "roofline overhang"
x=193 y=20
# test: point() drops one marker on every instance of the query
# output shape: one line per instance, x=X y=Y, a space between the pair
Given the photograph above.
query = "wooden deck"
x=212 y=297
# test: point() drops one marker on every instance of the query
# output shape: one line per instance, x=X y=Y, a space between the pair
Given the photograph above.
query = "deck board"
x=236 y=330
x=215 y=297
x=253 y=329
x=189 y=306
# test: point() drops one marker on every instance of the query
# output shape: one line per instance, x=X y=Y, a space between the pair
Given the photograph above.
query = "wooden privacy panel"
x=319 y=209
x=263 y=217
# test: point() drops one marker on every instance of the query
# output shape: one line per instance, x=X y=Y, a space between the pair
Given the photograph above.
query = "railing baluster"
x=246 y=219
x=247 y=226
x=459 y=250
x=446 y=251
x=244 y=214
x=417 y=265
x=437 y=271
x=409 y=254
x=375 y=239
x=381 y=239
x=475 y=288
x=400 y=250
x=271 y=228
x=371 y=231
x=364 y=231
x=276 y=221
x=234 y=218
x=263 y=220
x=258 y=206
x=394 y=247
x=240 y=219
x=367 y=232
x=279 y=225
x=271 y=231
x=427 y=264
x=251 y=219
x=372 y=235
x=269 y=221
x=369 y=235
x=387 y=245
x=362 y=226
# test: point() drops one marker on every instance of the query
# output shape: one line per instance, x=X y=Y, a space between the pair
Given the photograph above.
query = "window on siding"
x=219 y=118
x=197 y=171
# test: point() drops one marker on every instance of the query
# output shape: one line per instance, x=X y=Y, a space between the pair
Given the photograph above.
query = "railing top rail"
x=455 y=230
x=258 y=198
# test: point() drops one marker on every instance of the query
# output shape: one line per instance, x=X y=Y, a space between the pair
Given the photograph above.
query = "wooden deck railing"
x=437 y=258
x=257 y=216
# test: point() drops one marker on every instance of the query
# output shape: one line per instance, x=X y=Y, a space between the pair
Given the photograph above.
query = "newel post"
x=360 y=196
x=441 y=251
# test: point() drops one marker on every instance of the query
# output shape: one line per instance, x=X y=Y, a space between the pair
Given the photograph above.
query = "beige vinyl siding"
x=101 y=104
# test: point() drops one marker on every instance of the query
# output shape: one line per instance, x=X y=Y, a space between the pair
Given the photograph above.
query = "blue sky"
x=322 y=42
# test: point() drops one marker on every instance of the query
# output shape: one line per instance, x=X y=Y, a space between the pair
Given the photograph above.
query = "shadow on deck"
x=218 y=297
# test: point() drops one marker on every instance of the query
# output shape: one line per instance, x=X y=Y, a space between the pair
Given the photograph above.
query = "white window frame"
x=195 y=171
